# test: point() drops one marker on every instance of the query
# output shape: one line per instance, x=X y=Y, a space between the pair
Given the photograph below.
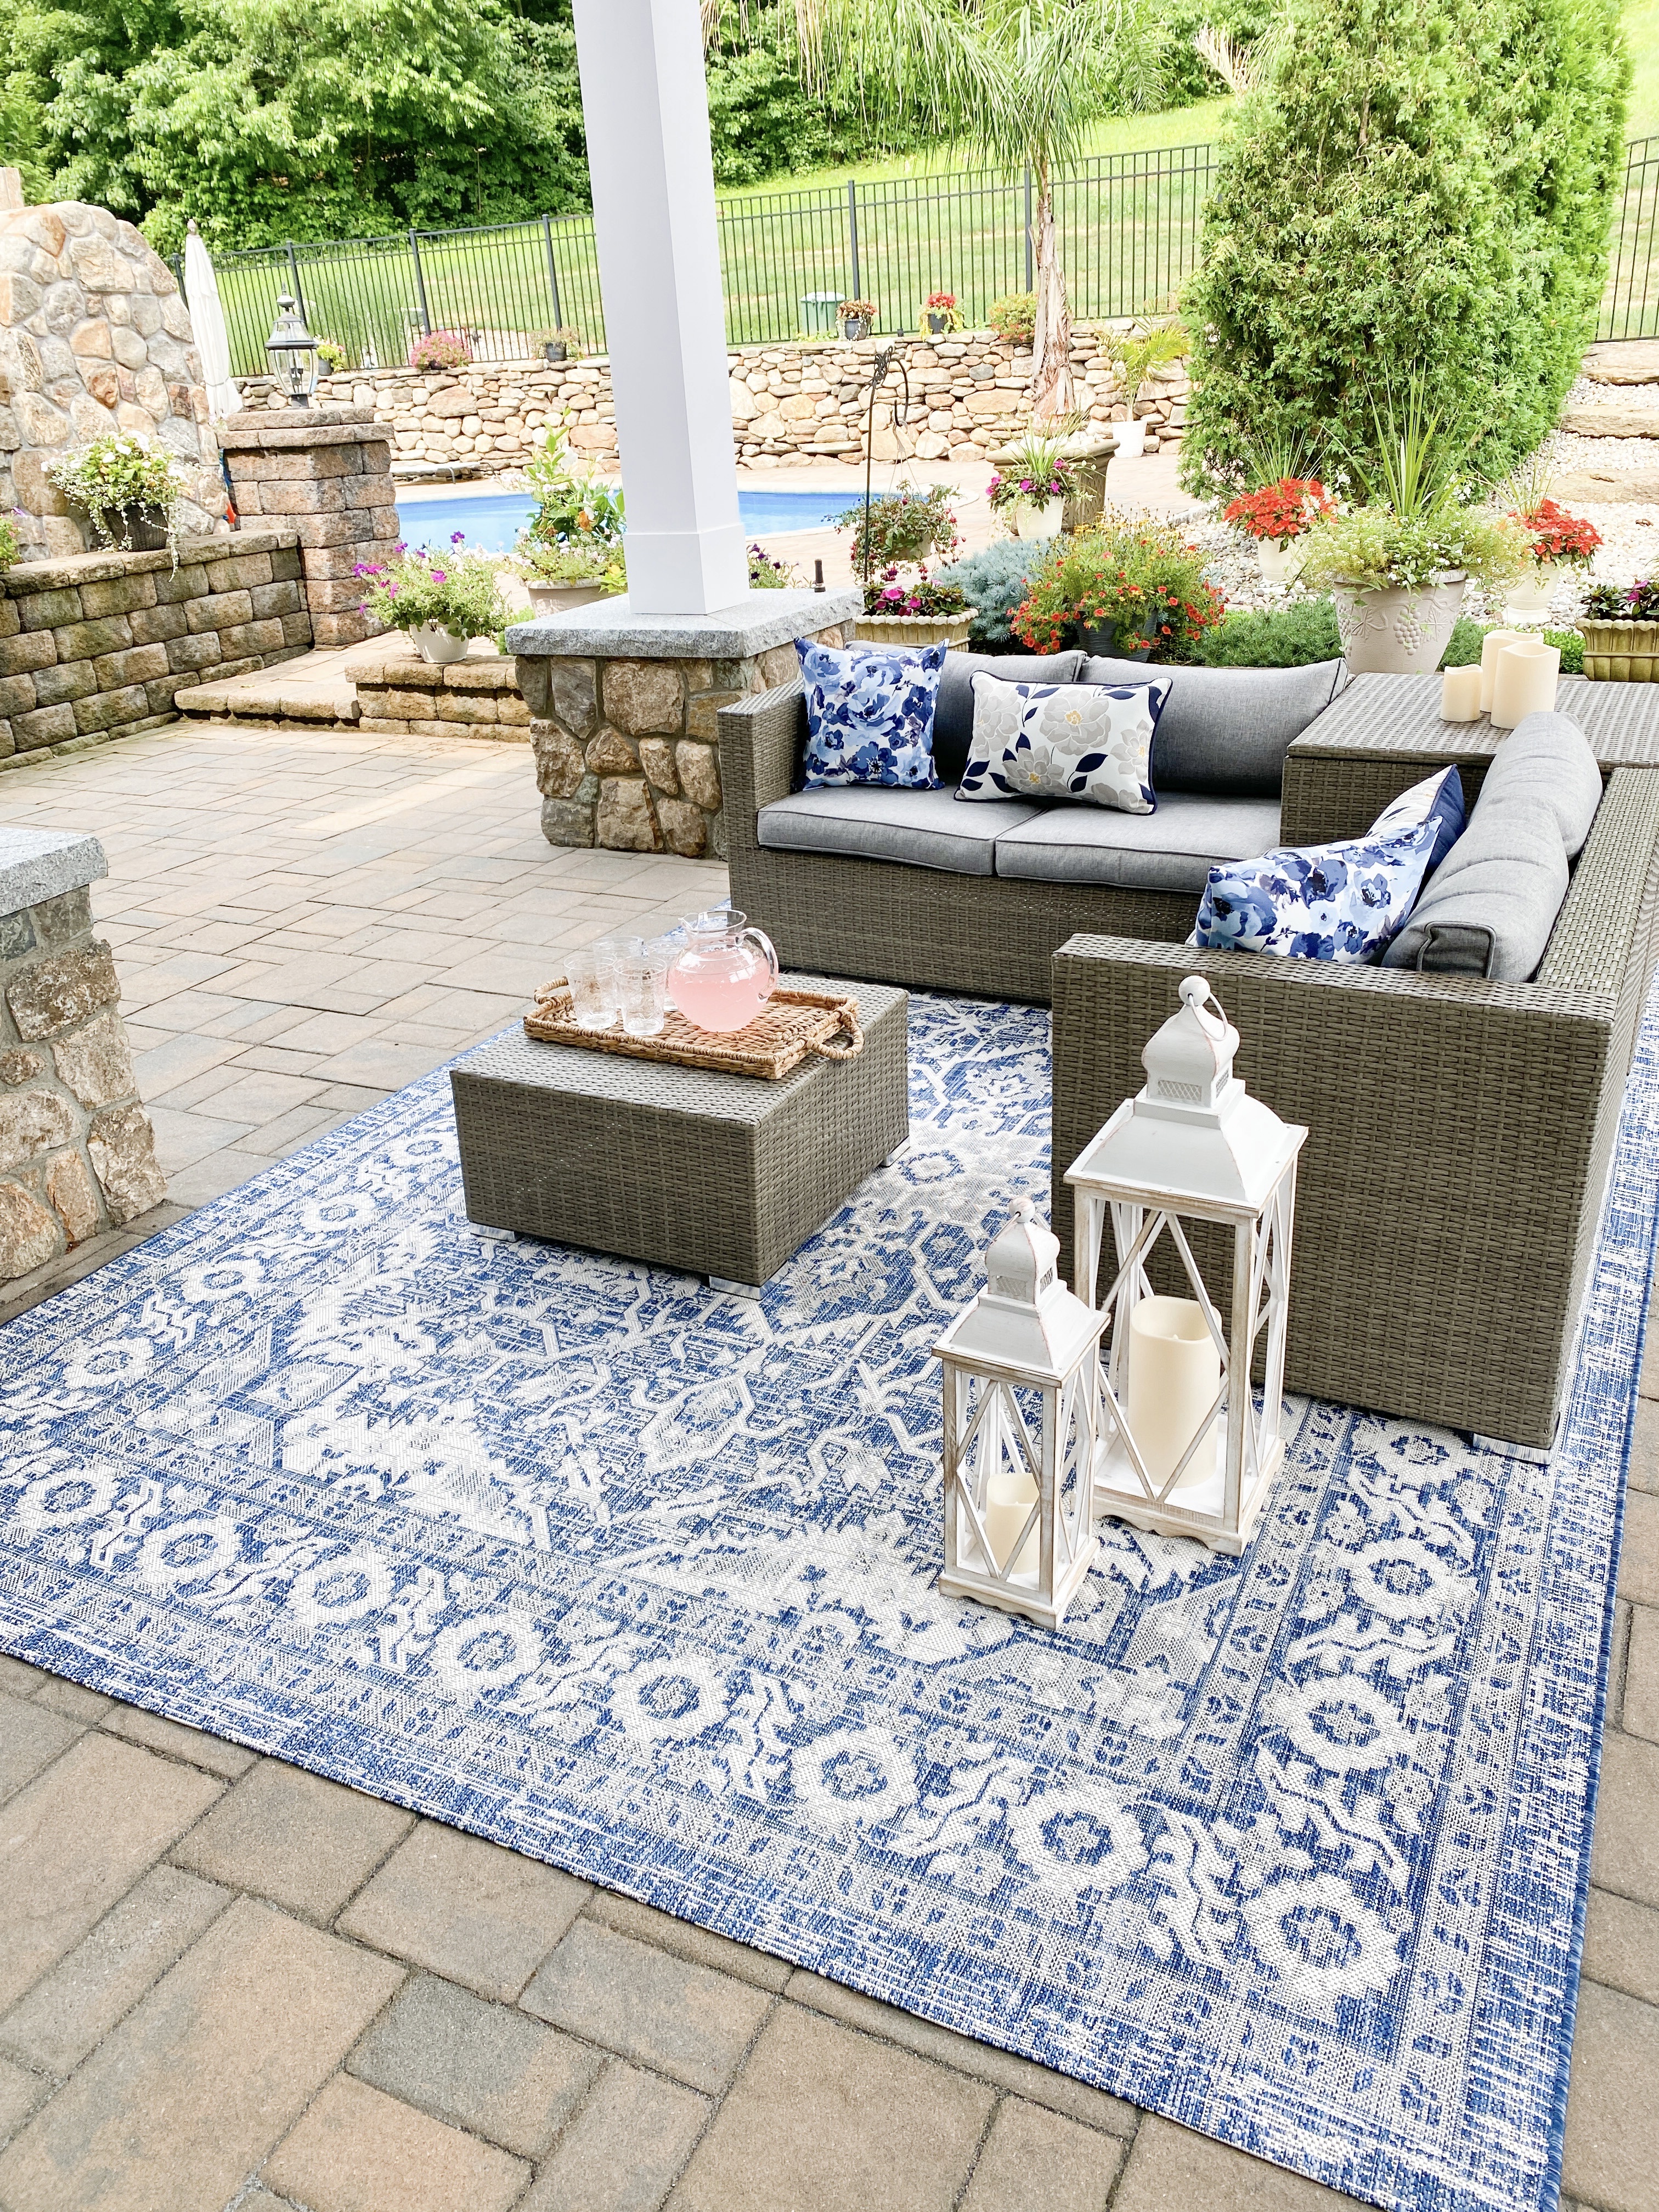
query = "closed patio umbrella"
x=207 y=318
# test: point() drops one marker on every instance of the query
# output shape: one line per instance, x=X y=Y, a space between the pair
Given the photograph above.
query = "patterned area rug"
x=641 y=1579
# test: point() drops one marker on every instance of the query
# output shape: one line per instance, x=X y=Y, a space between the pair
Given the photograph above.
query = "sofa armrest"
x=1450 y=1189
x=760 y=741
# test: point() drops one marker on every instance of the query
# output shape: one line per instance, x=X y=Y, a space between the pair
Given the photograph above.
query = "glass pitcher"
x=725 y=973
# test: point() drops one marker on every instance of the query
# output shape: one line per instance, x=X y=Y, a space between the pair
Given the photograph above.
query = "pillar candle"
x=1524 y=683
x=1009 y=1497
x=1491 y=646
x=1459 y=694
x=1175 y=1372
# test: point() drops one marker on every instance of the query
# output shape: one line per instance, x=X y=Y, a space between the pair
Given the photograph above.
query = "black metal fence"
x=1128 y=226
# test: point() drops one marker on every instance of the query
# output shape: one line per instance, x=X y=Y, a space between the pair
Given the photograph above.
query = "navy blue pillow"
x=1450 y=816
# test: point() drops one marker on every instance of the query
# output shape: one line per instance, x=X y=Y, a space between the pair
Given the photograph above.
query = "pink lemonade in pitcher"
x=726 y=973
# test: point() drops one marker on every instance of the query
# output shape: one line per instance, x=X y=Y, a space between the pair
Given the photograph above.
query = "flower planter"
x=1031 y=518
x=915 y=629
x=440 y=647
x=1131 y=438
x=1532 y=592
x=1621 y=651
x=1281 y=563
x=938 y=325
x=1396 y=631
x=855 y=326
x=553 y=350
x=1102 y=644
x=563 y=599
x=134 y=529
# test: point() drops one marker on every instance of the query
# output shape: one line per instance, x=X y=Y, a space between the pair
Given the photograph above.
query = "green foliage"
x=1134 y=579
x=552 y=561
x=765 y=574
x=1416 y=184
x=1463 y=646
x=11 y=543
x=1378 y=549
x=1145 y=346
x=764 y=122
x=1013 y=317
x=119 y=474
x=572 y=508
x=994 y=583
x=903 y=526
x=458 y=591
x=1291 y=636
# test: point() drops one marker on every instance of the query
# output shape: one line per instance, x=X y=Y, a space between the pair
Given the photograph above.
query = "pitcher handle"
x=759 y=937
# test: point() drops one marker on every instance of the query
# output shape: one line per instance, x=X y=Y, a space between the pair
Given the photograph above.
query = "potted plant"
x=562 y=344
x=1620 y=630
x=1134 y=587
x=858 y=318
x=570 y=507
x=560 y=576
x=1013 y=318
x=1560 y=540
x=1028 y=495
x=920 y=613
x=1135 y=353
x=1275 y=515
x=441 y=599
x=767 y=575
x=940 y=314
x=331 y=356
x=128 y=490
x=441 y=350
x=900 y=527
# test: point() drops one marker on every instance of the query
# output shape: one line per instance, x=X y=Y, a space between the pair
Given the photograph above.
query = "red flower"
x=1281 y=510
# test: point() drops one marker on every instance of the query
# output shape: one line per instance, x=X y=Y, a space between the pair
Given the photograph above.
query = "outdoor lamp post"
x=1180 y=1445
x=1019 y=1422
x=293 y=352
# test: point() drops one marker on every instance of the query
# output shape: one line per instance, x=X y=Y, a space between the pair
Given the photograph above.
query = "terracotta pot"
x=915 y=629
x=1397 y=632
x=1621 y=651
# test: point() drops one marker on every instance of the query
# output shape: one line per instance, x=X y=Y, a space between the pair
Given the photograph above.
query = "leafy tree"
x=1019 y=80
x=1415 y=187
x=764 y=122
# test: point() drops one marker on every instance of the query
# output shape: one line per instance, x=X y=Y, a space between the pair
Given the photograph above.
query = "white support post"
x=646 y=104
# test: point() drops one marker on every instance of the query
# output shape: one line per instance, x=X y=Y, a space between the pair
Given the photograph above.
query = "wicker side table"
x=717 y=1175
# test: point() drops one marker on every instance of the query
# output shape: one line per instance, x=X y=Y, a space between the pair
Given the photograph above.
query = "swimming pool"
x=492 y=519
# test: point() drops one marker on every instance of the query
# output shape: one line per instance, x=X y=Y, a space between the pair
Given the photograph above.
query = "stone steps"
x=1612 y=422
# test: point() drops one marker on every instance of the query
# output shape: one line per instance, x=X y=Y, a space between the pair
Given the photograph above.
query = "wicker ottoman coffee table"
x=723 y=1176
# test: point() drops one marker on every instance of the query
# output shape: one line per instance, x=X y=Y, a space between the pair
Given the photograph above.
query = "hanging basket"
x=1621 y=651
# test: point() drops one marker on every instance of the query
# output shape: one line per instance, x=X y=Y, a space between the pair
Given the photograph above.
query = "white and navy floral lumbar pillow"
x=1088 y=741
x=1338 y=901
x=870 y=712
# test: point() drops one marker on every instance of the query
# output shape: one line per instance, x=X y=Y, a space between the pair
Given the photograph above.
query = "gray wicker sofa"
x=915 y=886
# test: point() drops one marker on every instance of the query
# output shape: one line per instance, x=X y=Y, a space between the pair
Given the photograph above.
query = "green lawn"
x=1642 y=30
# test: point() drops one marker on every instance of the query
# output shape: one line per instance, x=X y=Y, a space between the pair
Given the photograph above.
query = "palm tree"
x=1019 y=80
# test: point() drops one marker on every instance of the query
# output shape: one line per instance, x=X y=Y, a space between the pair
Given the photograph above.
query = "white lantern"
x=1020 y=1392
x=1182 y=1446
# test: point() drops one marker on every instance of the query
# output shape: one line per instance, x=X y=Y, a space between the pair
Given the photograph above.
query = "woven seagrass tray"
x=794 y=1025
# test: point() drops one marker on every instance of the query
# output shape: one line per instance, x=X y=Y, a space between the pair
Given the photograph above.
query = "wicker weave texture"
x=1459 y=1134
x=989 y=936
x=717 y=1174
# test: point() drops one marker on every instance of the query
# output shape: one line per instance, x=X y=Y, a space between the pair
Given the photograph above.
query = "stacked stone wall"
x=324 y=474
x=77 y=1154
x=792 y=405
x=400 y=694
x=98 y=645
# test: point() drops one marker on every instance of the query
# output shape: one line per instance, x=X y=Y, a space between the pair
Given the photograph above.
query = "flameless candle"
x=1175 y=1372
x=1491 y=646
x=1009 y=1497
x=1459 y=694
x=1525 y=682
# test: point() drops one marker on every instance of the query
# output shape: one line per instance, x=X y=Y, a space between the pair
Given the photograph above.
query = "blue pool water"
x=492 y=519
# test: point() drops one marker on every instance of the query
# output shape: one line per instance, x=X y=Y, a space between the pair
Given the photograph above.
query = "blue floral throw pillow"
x=870 y=713
x=1087 y=741
x=1338 y=901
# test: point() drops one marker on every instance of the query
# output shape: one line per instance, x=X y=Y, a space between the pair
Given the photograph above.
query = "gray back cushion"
x=1227 y=729
x=953 y=716
x=1490 y=906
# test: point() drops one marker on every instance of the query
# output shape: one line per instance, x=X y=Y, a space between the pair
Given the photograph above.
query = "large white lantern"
x=1020 y=1392
x=1181 y=1445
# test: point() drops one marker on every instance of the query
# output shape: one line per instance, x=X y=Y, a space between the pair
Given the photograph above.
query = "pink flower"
x=439 y=577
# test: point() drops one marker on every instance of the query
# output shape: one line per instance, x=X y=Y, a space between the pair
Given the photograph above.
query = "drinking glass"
x=592 y=975
x=643 y=980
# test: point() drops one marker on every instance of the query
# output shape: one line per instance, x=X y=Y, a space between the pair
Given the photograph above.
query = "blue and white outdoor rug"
x=641 y=1579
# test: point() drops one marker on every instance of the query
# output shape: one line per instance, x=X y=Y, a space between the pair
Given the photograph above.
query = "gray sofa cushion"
x=1226 y=730
x=1172 y=850
x=1490 y=906
x=953 y=716
x=923 y=829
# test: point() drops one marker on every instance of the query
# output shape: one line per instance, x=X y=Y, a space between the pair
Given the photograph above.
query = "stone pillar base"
x=78 y=1154
x=623 y=708
x=325 y=473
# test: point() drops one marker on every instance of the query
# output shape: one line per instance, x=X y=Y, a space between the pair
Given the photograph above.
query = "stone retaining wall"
x=325 y=474
x=400 y=694
x=97 y=645
x=77 y=1154
x=801 y=404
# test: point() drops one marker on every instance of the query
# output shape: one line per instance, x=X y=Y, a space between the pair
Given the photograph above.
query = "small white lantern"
x=1180 y=1445
x=1019 y=1516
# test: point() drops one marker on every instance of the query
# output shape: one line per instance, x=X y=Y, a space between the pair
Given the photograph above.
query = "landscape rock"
x=20 y=1067
x=30 y=1122
x=60 y=993
x=95 y=1062
x=1611 y=422
x=643 y=697
x=69 y=1188
x=624 y=822
x=1623 y=361
x=700 y=775
x=1622 y=486
x=123 y=1147
x=29 y=1236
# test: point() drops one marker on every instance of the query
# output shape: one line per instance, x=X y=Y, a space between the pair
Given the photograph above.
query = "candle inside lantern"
x=1175 y=1373
x=1491 y=646
x=1009 y=1497
x=1525 y=681
x=1459 y=694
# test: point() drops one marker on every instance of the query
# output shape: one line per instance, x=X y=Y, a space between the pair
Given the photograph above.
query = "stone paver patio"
x=224 y=1981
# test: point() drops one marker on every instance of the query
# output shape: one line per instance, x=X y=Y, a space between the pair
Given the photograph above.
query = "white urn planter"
x=1397 y=631
x=1281 y=563
x=1032 y=518
x=1131 y=438
x=563 y=599
x=1531 y=593
x=438 y=646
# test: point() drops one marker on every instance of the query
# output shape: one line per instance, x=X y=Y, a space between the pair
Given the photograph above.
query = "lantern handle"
x=1195 y=990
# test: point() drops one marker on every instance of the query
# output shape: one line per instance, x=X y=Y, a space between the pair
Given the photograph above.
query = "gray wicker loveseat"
x=1461 y=1130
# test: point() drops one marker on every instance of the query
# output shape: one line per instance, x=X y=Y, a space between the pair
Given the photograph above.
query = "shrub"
x=1424 y=185
x=1290 y=636
x=1637 y=602
x=888 y=595
x=441 y=350
x=1014 y=317
x=552 y=561
x=1463 y=646
x=994 y=583
x=11 y=543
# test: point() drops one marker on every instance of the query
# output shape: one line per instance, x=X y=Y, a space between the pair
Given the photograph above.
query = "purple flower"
x=439 y=577
x=457 y=537
x=400 y=547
